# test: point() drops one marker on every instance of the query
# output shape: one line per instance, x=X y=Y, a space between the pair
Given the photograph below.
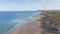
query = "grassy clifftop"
x=55 y=14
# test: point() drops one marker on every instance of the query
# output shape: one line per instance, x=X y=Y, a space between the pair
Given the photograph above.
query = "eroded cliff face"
x=44 y=23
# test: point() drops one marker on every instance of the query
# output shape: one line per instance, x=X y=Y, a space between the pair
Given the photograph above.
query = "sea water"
x=9 y=19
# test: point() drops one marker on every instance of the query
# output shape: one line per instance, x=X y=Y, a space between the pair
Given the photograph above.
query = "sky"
x=29 y=5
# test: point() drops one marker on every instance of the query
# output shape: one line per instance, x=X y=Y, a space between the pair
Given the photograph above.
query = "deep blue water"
x=8 y=18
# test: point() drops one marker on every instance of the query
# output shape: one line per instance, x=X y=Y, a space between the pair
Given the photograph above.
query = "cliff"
x=45 y=22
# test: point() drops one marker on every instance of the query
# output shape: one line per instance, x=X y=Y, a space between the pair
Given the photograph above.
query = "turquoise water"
x=8 y=19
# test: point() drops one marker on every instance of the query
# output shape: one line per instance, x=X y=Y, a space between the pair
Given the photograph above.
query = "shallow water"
x=9 y=19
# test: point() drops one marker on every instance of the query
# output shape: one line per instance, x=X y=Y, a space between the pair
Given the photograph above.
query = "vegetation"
x=55 y=14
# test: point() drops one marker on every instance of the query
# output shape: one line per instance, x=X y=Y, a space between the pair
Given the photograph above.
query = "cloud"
x=29 y=4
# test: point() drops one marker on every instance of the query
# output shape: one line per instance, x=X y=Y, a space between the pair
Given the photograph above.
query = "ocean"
x=9 y=19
